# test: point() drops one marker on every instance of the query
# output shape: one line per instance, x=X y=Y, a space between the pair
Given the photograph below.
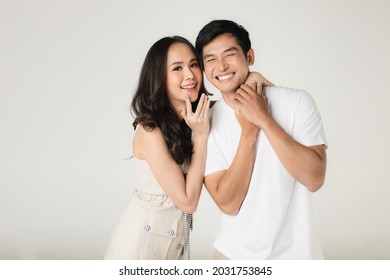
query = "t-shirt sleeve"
x=308 y=128
x=214 y=161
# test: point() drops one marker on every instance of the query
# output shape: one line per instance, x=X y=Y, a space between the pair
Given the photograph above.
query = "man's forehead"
x=222 y=43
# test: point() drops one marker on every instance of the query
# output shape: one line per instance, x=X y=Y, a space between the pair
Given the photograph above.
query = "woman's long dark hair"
x=150 y=103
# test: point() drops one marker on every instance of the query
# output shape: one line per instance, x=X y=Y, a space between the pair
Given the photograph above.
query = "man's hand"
x=252 y=103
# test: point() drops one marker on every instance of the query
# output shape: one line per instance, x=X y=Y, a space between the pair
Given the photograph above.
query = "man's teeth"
x=225 y=77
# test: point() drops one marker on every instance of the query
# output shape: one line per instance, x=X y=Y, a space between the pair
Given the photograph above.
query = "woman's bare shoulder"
x=146 y=138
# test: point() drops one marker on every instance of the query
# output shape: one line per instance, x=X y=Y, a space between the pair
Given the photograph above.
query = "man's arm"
x=307 y=164
x=229 y=187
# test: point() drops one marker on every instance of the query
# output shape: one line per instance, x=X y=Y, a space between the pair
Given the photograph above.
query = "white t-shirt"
x=275 y=219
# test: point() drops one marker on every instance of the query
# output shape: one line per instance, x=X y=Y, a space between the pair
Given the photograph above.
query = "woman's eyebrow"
x=176 y=63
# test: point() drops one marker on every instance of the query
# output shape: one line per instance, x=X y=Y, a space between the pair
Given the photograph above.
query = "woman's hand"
x=198 y=121
x=256 y=77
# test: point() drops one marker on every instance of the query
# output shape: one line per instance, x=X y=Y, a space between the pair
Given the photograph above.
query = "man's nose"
x=222 y=65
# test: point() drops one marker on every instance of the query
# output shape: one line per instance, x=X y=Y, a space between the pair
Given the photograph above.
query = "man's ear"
x=250 y=56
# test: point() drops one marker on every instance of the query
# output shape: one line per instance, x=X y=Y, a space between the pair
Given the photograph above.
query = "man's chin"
x=227 y=89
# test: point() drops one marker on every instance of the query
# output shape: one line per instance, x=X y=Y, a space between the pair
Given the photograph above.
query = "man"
x=266 y=154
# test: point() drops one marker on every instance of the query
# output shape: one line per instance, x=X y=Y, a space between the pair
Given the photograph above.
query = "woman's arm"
x=151 y=146
x=256 y=77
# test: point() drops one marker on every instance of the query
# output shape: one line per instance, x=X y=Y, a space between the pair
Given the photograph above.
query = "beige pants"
x=219 y=256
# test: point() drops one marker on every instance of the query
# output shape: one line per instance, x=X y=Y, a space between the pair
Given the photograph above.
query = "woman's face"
x=184 y=76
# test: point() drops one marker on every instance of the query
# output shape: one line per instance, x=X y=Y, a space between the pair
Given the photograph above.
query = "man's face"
x=225 y=64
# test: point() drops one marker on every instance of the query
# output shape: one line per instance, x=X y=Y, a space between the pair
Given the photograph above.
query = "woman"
x=169 y=149
x=171 y=129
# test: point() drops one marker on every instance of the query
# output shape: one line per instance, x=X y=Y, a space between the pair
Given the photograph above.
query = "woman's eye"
x=178 y=68
x=194 y=65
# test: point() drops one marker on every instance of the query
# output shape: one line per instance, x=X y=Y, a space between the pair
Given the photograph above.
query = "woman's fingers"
x=188 y=105
x=253 y=86
x=204 y=105
x=201 y=112
x=198 y=121
x=206 y=108
x=200 y=105
x=259 y=89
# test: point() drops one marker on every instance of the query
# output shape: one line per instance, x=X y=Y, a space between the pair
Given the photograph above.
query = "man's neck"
x=229 y=98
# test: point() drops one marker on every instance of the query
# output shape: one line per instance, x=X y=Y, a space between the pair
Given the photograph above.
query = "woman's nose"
x=189 y=74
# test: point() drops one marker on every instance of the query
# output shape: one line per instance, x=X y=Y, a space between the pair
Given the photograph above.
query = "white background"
x=68 y=70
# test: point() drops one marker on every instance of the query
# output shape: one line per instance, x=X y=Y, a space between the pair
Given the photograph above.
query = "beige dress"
x=151 y=227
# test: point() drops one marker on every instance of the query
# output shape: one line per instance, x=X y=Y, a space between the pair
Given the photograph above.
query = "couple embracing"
x=260 y=151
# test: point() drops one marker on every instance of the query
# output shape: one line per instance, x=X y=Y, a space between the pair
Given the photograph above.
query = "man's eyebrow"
x=231 y=49
x=208 y=56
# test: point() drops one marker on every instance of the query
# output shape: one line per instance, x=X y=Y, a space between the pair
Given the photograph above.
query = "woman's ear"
x=250 y=56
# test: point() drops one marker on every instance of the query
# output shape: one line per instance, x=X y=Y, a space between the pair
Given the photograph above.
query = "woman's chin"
x=193 y=96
